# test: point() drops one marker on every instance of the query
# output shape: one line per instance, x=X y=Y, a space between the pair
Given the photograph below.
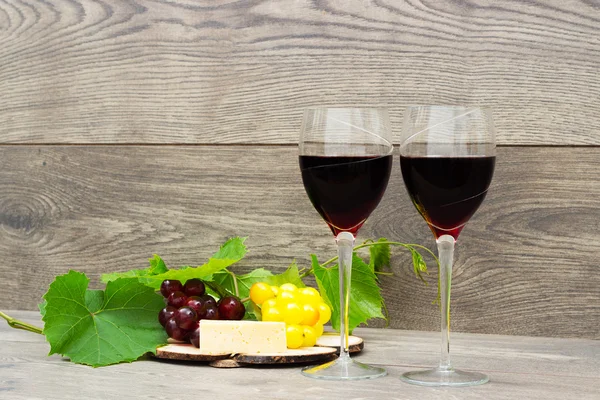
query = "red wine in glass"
x=447 y=190
x=447 y=157
x=345 y=190
x=345 y=161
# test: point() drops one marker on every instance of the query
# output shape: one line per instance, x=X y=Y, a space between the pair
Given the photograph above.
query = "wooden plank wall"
x=136 y=127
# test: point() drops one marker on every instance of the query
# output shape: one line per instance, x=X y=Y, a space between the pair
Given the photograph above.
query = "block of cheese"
x=242 y=337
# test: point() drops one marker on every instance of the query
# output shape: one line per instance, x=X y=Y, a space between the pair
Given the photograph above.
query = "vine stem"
x=235 y=283
x=14 y=323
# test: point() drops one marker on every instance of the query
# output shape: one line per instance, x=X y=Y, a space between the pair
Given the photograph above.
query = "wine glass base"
x=343 y=369
x=443 y=377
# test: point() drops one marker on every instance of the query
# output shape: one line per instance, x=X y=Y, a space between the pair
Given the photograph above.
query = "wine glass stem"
x=445 y=246
x=345 y=244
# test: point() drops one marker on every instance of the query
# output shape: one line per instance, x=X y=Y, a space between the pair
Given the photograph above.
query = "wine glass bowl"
x=345 y=156
x=345 y=160
x=447 y=158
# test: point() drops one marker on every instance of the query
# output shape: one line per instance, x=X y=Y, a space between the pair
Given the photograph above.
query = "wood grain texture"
x=224 y=71
x=519 y=368
x=527 y=263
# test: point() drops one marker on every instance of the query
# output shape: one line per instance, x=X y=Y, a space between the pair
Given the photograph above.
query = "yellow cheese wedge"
x=242 y=337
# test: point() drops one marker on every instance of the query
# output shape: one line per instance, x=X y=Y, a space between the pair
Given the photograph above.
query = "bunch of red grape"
x=188 y=304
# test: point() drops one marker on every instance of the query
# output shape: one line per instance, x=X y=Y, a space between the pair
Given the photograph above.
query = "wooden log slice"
x=228 y=363
x=332 y=339
x=290 y=356
x=187 y=352
x=327 y=348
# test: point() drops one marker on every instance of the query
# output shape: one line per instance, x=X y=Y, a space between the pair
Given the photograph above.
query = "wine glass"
x=447 y=157
x=346 y=160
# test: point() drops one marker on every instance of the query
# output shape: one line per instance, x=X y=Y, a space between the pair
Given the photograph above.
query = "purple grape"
x=231 y=308
x=202 y=311
x=188 y=334
x=210 y=312
x=195 y=303
x=195 y=337
x=169 y=286
x=208 y=300
x=186 y=318
x=194 y=287
x=177 y=299
x=166 y=314
x=174 y=331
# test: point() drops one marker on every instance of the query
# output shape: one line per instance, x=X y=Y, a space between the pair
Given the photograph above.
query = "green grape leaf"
x=99 y=328
x=134 y=273
x=419 y=266
x=380 y=255
x=291 y=275
x=365 y=296
x=253 y=312
x=94 y=299
x=42 y=307
x=157 y=266
x=231 y=252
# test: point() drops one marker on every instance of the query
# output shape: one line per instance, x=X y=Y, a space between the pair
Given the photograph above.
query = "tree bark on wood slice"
x=228 y=363
x=291 y=356
x=187 y=352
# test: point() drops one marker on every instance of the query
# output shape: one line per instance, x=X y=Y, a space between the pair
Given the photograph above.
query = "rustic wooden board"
x=519 y=367
x=241 y=72
x=526 y=264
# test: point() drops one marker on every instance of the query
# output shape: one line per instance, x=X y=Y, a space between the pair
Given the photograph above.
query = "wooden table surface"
x=519 y=368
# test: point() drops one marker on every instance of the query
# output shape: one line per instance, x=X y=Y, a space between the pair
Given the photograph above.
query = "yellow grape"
x=260 y=292
x=292 y=314
x=294 y=336
x=286 y=297
x=318 y=329
x=309 y=336
x=324 y=313
x=269 y=303
x=272 y=314
x=288 y=287
x=310 y=296
x=310 y=315
x=275 y=290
